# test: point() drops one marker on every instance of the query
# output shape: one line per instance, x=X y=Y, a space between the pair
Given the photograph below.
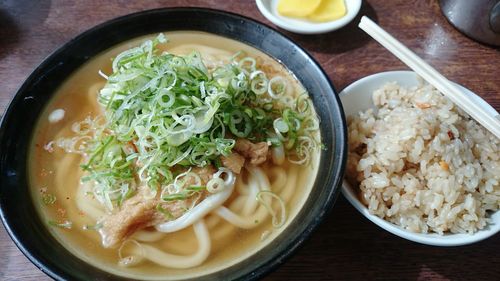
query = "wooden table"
x=346 y=246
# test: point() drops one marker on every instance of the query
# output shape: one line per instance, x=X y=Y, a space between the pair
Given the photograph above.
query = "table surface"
x=346 y=246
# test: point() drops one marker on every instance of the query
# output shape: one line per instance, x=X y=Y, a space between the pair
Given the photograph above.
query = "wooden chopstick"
x=432 y=76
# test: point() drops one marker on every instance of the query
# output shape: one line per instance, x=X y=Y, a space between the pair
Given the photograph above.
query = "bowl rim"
x=310 y=27
x=332 y=183
x=432 y=239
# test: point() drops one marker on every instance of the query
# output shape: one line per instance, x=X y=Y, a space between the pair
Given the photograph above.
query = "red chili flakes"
x=444 y=165
x=451 y=135
x=61 y=212
x=423 y=105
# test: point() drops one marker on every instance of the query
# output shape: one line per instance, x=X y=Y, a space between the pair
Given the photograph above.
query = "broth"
x=58 y=172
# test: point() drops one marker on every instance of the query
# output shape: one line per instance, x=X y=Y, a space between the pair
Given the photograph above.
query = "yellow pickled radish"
x=328 y=10
x=297 y=8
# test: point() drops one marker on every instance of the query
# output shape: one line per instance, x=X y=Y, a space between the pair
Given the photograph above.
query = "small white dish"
x=357 y=97
x=268 y=8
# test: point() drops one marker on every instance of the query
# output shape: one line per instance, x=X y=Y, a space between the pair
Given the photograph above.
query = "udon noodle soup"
x=174 y=156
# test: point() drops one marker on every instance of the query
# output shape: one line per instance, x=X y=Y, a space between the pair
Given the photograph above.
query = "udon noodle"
x=200 y=211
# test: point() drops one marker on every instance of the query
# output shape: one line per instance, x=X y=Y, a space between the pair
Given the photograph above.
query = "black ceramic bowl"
x=16 y=205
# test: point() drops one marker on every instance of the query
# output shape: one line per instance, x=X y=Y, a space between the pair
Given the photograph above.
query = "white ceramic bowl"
x=269 y=10
x=357 y=97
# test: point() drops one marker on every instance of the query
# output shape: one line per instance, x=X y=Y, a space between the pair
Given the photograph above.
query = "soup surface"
x=66 y=202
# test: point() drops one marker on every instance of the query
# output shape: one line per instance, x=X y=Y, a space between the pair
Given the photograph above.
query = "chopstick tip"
x=364 y=21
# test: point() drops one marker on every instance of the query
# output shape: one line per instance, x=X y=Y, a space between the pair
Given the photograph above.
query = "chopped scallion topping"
x=48 y=199
x=93 y=227
x=164 y=211
x=162 y=111
x=65 y=224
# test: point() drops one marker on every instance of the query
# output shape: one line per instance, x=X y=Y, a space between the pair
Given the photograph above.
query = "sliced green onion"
x=93 y=227
x=48 y=199
x=165 y=98
x=276 y=87
x=164 y=211
x=163 y=112
x=278 y=217
x=133 y=259
x=175 y=197
x=236 y=119
x=248 y=64
x=196 y=188
x=65 y=224
x=280 y=126
x=215 y=185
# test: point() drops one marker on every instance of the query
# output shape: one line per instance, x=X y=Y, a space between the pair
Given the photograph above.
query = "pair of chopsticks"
x=432 y=76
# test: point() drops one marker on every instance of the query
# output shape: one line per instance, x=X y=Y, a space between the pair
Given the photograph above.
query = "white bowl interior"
x=357 y=97
x=268 y=8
